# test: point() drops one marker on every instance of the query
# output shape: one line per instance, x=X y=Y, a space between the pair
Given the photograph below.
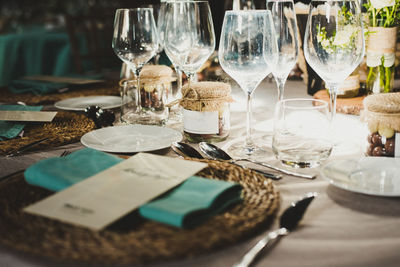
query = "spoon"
x=185 y=150
x=288 y=222
x=215 y=152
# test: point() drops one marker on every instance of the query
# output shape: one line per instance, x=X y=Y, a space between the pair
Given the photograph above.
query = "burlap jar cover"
x=381 y=42
x=205 y=96
x=152 y=74
x=382 y=114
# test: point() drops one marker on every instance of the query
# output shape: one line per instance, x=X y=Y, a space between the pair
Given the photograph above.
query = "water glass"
x=301 y=136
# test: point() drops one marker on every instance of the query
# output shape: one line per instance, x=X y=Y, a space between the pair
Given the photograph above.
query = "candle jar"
x=206 y=114
x=382 y=115
x=148 y=106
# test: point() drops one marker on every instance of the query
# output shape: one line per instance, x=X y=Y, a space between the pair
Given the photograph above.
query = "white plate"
x=131 y=138
x=80 y=103
x=378 y=176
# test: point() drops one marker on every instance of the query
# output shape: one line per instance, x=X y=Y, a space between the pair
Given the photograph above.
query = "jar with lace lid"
x=382 y=115
x=206 y=114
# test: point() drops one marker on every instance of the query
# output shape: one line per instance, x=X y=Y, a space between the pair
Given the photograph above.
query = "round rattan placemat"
x=66 y=127
x=131 y=239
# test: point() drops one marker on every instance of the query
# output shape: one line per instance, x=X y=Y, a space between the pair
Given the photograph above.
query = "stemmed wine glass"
x=334 y=42
x=189 y=35
x=135 y=41
x=285 y=24
x=161 y=27
x=241 y=55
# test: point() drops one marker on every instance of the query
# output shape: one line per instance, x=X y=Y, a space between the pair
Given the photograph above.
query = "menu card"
x=57 y=79
x=107 y=196
x=23 y=115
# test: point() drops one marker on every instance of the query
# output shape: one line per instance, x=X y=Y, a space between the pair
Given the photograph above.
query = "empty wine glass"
x=189 y=35
x=285 y=24
x=135 y=41
x=334 y=42
x=241 y=56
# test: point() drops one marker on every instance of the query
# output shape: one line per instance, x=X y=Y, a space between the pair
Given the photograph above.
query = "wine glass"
x=285 y=24
x=135 y=42
x=334 y=42
x=240 y=54
x=189 y=35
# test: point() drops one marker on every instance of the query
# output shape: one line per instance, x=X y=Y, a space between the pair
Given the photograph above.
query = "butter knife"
x=288 y=222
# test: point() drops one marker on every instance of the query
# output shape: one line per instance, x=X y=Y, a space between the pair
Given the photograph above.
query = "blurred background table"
x=34 y=51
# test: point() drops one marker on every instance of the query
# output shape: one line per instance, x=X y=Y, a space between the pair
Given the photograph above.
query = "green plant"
x=382 y=13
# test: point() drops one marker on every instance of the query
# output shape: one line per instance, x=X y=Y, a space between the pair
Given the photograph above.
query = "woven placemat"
x=106 y=88
x=132 y=239
x=66 y=128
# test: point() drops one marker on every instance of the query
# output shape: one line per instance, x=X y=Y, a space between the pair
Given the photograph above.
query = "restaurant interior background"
x=69 y=38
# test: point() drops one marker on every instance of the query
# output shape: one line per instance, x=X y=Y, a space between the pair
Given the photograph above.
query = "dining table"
x=340 y=227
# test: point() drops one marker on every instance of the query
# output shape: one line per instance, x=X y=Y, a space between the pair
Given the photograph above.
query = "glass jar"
x=206 y=113
x=382 y=115
x=147 y=105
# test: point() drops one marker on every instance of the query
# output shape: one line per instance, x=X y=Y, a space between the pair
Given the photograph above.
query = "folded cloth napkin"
x=59 y=173
x=193 y=202
x=35 y=87
x=10 y=129
x=185 y=206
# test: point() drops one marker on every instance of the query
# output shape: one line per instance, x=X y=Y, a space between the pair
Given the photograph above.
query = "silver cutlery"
x=19 y=151
x=64 y=154
x=288 y=222
x=215 y=152
x=185 y=150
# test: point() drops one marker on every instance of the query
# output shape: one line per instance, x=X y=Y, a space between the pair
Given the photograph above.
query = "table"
x=34 y=52
x=340 y=228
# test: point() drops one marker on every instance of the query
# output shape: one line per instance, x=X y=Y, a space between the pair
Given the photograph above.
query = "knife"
x=25 y=148
x=288 y=222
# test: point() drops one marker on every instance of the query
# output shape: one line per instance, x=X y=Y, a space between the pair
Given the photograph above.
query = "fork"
x=63 y=154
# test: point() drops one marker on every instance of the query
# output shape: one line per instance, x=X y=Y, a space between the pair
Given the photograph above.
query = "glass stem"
x=191 y=78
x=333 y=89
x=138 y=98
x=249 y=145
x=179 y=83
x=281 y=87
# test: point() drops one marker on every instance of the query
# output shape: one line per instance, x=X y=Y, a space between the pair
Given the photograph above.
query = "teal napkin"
x=10 y=129
x=59 y=173
x=186 y=206
x=35 y=87
x=193 y=202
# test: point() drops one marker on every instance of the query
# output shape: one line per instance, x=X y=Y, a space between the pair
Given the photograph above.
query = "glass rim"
x=322 y=103
x=247 y=11
x=184 y=1
x=132 y=9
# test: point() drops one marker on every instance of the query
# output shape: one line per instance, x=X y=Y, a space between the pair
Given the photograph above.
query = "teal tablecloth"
x=32 y=53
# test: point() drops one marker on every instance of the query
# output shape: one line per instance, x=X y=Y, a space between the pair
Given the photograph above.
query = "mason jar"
x=206 y=111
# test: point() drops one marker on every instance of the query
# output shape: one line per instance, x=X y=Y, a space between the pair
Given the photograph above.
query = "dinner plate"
x=378 y=176
x=80 y=103
x=131 y=138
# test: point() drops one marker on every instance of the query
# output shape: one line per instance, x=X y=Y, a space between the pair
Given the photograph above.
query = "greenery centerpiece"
x=383 y=17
